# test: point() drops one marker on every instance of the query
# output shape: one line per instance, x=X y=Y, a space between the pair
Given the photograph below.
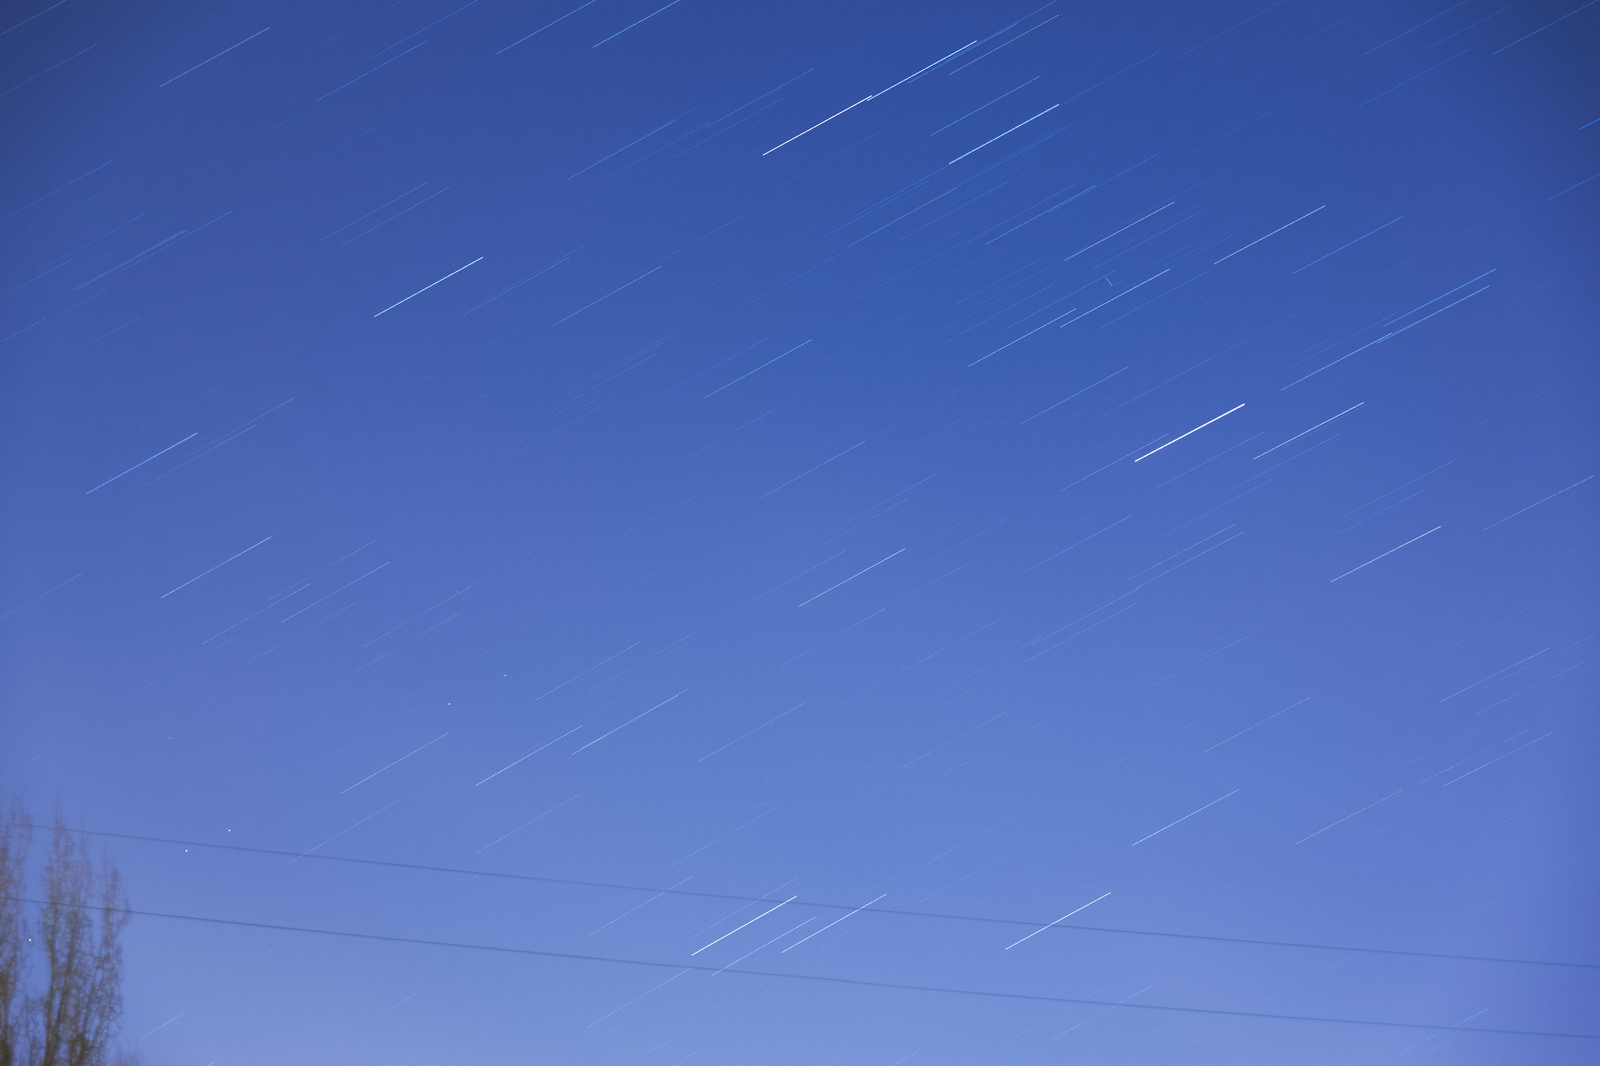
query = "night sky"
x=754 y=471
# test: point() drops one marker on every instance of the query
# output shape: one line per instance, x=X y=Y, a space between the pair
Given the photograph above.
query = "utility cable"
x=819 y=905
x=855 y=982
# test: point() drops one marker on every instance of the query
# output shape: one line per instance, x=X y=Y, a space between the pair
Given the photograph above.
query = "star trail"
x=821 y=532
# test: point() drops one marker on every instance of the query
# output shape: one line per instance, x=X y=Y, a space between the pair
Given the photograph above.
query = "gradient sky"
x=991 y=460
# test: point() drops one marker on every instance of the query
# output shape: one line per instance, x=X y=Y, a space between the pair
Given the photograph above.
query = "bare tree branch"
x=14 y=840
x=73 y=1019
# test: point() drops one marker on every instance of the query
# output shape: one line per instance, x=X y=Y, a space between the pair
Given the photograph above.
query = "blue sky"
x=992 y=461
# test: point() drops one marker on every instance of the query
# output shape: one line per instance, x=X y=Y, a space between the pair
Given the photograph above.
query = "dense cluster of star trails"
x=825 y=532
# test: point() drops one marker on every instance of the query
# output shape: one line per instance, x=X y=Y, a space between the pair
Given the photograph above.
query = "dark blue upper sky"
x=982 y=459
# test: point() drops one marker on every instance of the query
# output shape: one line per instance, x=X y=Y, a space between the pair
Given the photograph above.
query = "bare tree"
x=14 y=839
x=81 y=1004
x=73 y=1018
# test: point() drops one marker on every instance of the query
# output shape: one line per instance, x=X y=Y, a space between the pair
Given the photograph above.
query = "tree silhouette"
x=13 y=850
x=61 y=977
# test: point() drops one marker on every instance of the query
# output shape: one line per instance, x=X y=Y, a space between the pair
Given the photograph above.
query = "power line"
x=823 y=905
x=856 y=982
